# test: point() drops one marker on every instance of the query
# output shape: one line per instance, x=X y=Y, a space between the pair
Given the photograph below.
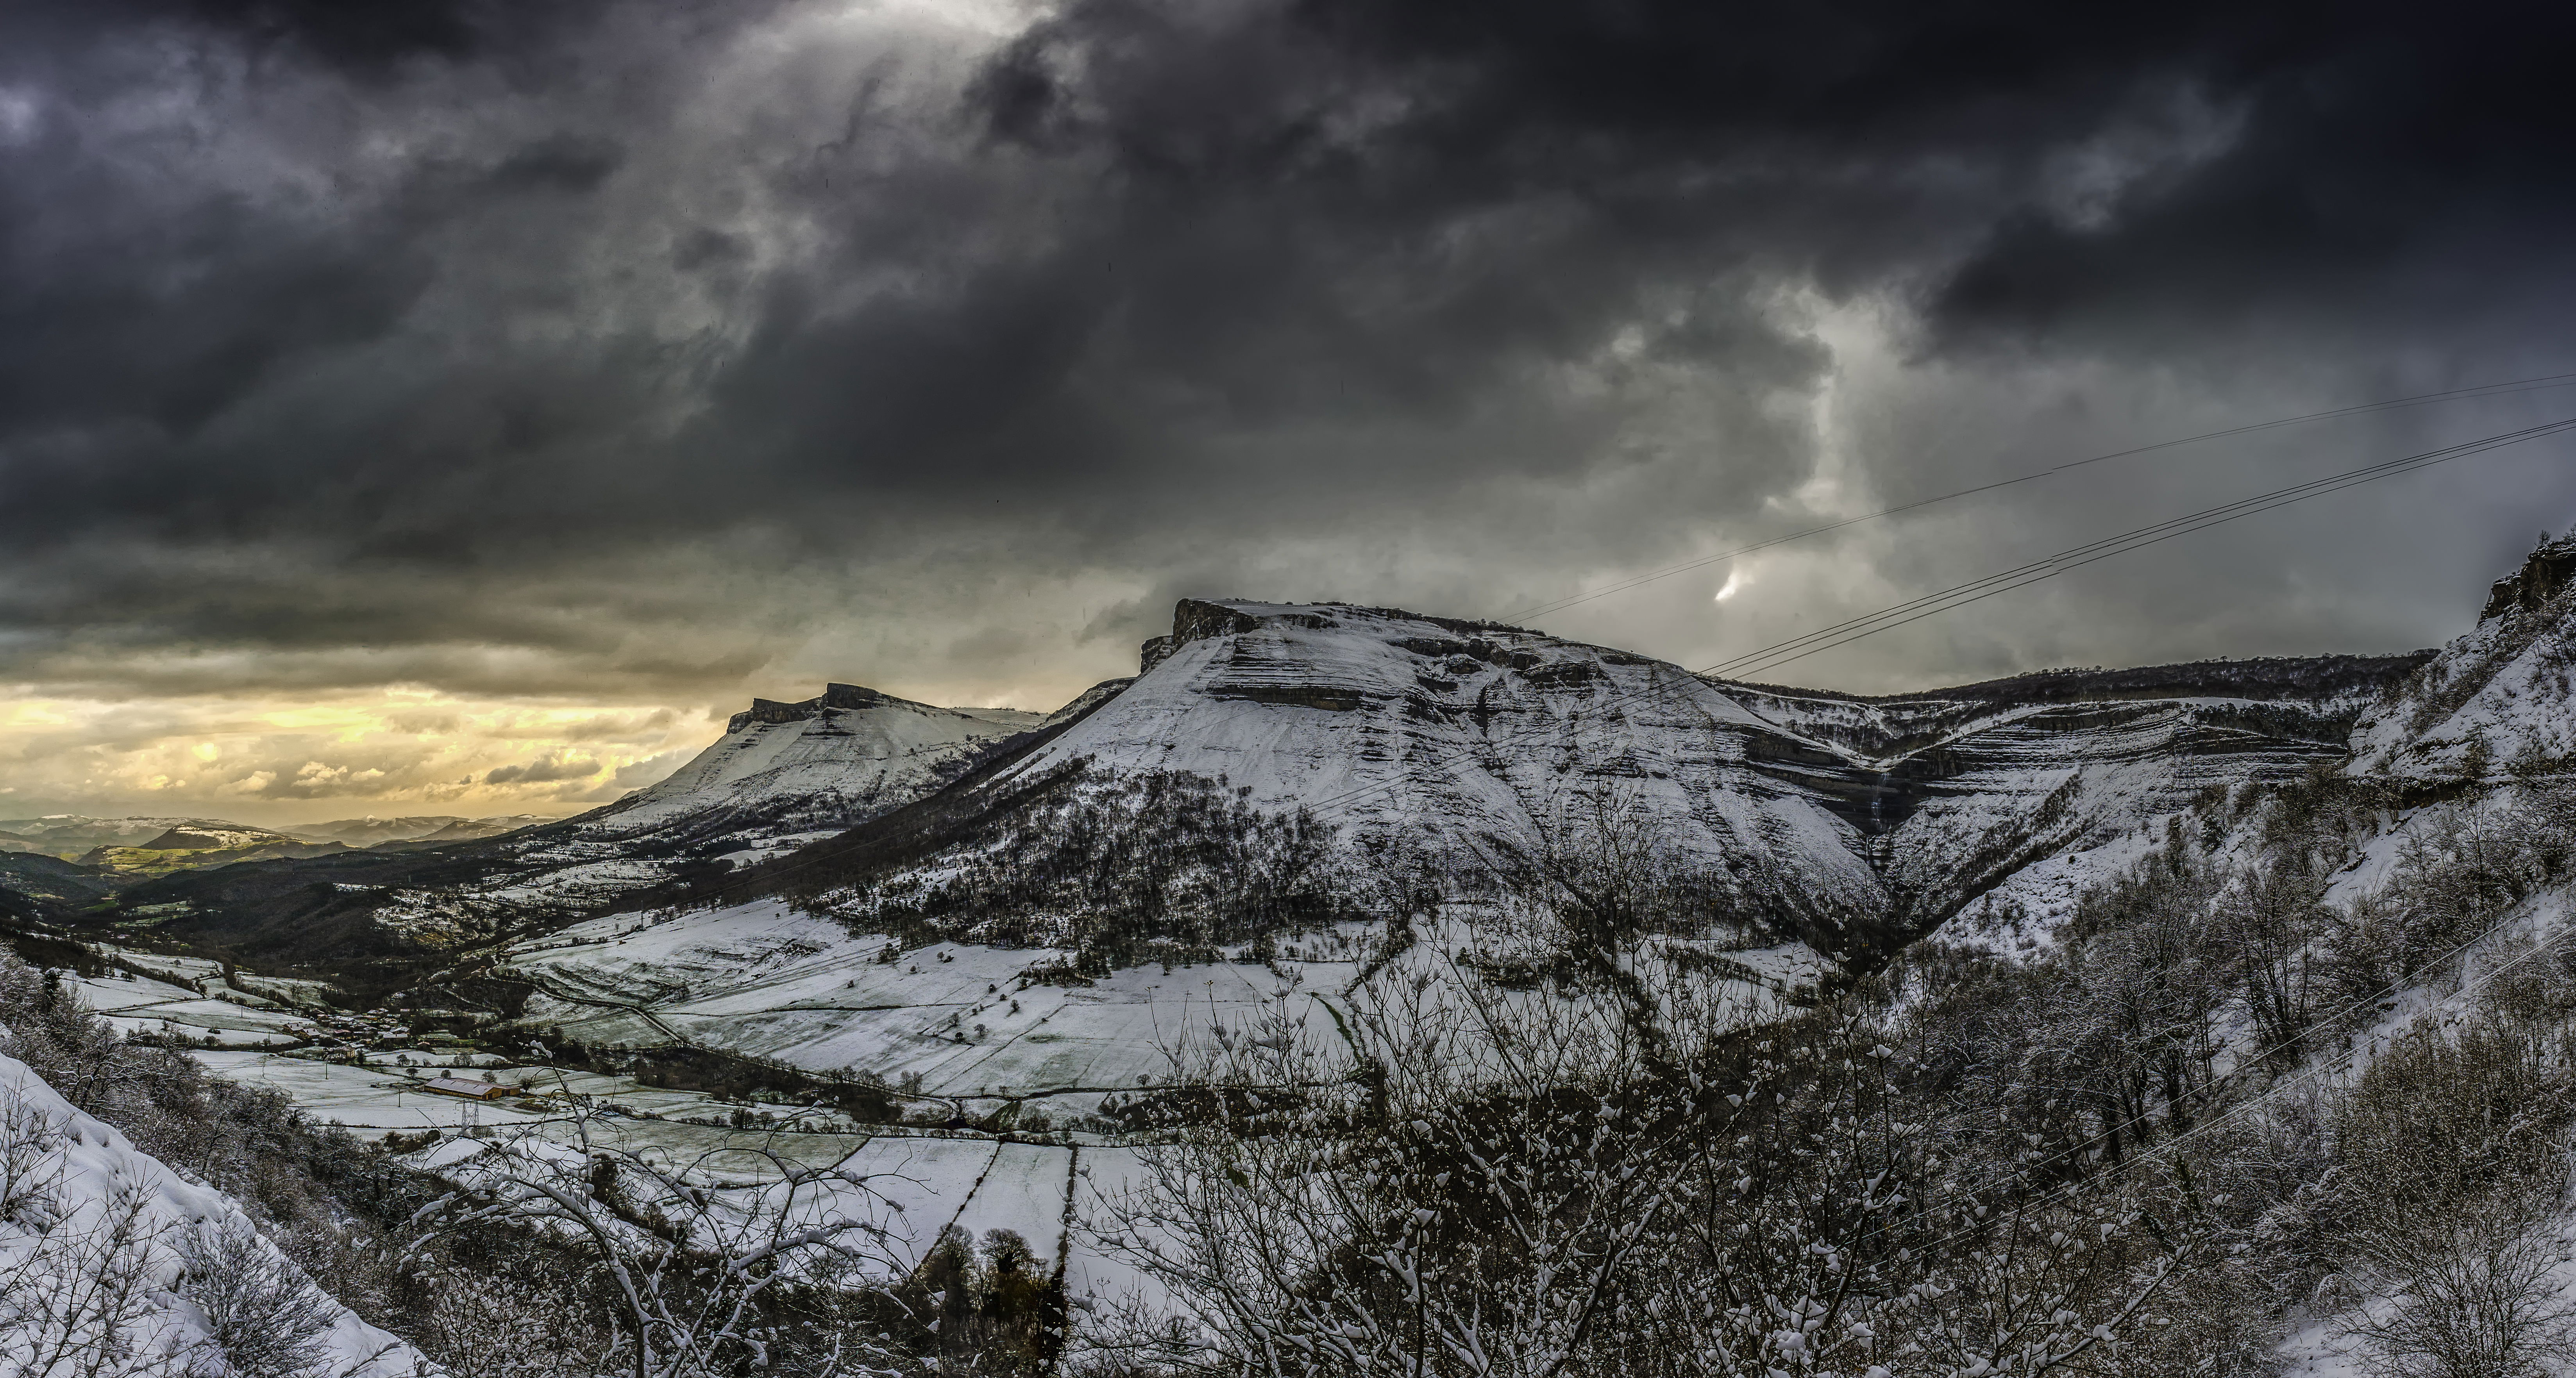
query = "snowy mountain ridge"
x=1839 y=809
x=826 y=761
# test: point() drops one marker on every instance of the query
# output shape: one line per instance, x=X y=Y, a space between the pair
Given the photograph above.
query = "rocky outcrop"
x=1193 y=620
x=2500 y=697
x=845 y=697
x=2546 y=571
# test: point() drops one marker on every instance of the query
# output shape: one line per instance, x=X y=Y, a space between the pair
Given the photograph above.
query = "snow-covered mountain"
x=69 y=835
x=372 y=831
x=823 y=764
x=1819 y=809
x=1393 y=726
x=784 y=774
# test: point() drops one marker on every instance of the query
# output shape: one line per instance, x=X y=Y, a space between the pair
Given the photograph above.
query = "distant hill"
x=784 y=774
x=372 y=831
x=69 y=835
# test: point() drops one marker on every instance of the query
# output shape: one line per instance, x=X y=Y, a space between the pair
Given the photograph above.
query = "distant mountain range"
x=72 y=835
x=1851 y=823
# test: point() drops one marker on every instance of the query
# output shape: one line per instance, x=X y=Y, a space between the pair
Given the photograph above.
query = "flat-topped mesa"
x=833 y=696
x=1195 y=619
x=2547 y=570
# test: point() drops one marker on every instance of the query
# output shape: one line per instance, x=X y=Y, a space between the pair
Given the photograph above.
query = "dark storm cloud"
x=2394 y=162
x=368 y=39
x=544 y=770
x=2349 y=141
x=547 y=346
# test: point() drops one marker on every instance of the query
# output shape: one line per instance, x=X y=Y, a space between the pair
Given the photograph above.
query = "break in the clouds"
x=602 y=358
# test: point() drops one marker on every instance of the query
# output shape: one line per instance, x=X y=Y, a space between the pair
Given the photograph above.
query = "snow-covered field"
x=142 y=1005
x=947 y=1020
x=951 y=1020
x=931 y=1180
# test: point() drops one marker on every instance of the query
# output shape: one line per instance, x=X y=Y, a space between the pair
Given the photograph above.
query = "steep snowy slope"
x=2497 y=698
x=95 y=1241
x=1958 y=789
x=2460 y=726
x=1388 y=724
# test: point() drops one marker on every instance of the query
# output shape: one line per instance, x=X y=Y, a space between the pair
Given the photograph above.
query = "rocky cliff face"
x=1825 y=811
x=1955 y=790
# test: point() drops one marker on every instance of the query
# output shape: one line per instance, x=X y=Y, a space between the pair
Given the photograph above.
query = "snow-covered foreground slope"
x=95 y=1238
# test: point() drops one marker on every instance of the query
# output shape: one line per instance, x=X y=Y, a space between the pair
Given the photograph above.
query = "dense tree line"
x=2144 y=1148
x=1122 y=870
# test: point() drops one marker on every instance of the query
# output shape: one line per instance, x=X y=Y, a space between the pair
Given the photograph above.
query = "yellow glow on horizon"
x=278 y=761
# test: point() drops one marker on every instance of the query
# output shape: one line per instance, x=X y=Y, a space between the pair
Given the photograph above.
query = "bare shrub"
x=1520 y=1182
x=2474 y=1295
x=76 y=1285
x=2450 y=1173
x=264 y=1318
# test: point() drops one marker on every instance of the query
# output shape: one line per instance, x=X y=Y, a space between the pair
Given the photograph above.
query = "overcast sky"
x=461 y=407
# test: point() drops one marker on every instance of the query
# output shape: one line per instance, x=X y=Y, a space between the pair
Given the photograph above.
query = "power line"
x=1912 y=610
x=2554 y=380
x=2167 y=1148
x=2019 y=576
x=1824 y=639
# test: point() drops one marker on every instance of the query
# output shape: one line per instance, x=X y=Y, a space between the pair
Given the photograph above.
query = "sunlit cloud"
x=291 y=761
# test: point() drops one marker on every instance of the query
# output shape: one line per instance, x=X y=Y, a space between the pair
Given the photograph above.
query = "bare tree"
x=1515 y=1181
x=700 y=1272
x=2452 y=1177
x=2473 y=1294
x=2267 y=919
x=76 y=1275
